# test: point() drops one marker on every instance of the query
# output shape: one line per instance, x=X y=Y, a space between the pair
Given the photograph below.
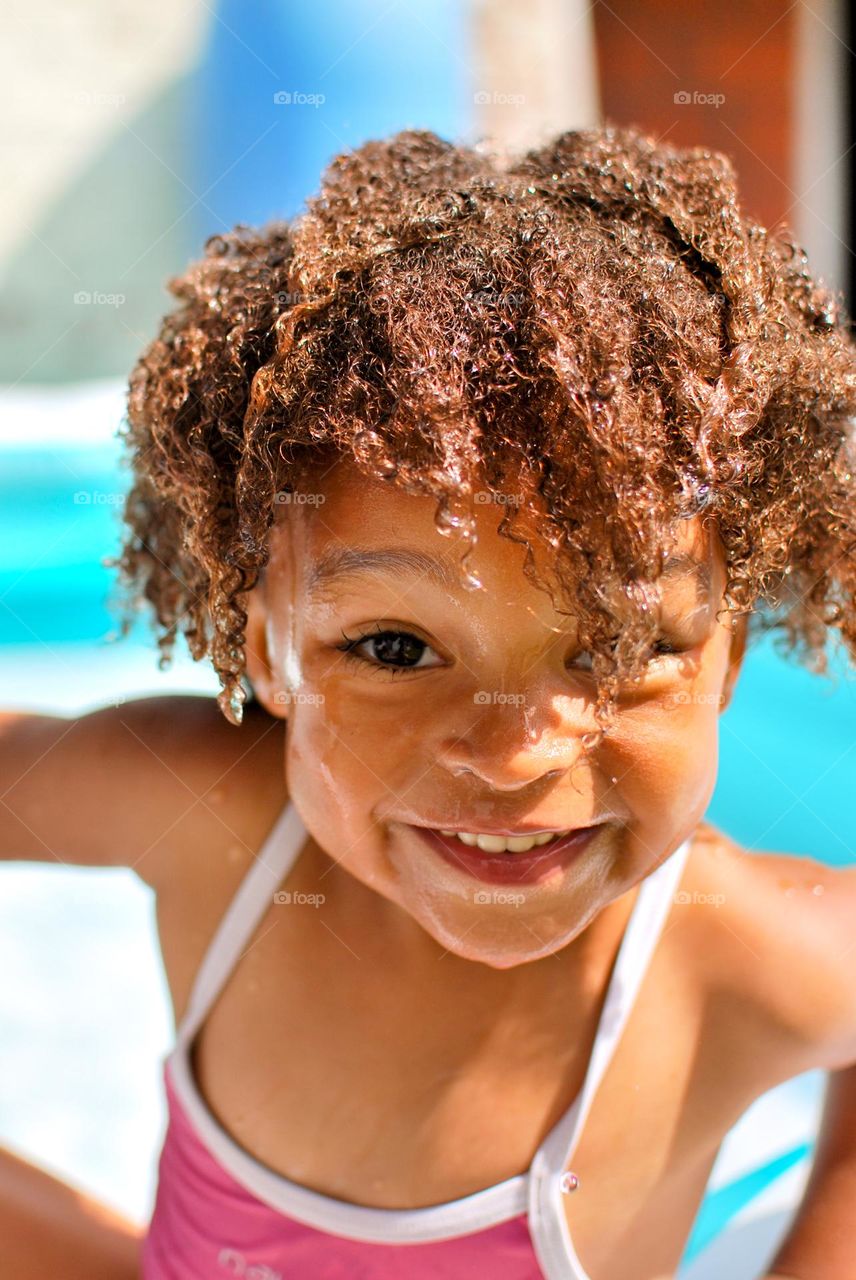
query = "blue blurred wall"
x=380 y=68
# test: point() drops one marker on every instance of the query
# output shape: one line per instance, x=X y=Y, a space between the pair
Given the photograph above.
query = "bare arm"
x=820 y=1244
x=50 y=1228
x=141 y=785
x=806 y=987
x=126 y=785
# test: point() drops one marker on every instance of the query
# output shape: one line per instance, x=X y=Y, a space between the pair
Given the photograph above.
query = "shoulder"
x=232 y=784
x=207 y=784
x=777 y=933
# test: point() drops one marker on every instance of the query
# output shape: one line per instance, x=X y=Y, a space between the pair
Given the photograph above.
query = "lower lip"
x=541 y=862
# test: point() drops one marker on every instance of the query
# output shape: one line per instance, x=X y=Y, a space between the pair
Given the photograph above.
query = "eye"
x=661 y=648
x=389 y=650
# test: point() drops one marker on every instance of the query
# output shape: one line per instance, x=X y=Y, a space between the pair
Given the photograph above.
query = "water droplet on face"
x=818 y=889
x=371 y=447
x=366 y=439
x=448 y=519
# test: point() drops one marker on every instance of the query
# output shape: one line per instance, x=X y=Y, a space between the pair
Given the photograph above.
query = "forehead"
x=347 y=521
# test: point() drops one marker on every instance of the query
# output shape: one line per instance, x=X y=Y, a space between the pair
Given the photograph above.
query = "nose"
x=509 y=746
x=492 y=780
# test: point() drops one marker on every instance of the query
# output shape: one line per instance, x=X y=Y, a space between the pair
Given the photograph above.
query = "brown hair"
x=595 y=323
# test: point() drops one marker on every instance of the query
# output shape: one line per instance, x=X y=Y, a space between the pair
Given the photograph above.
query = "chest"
x=330 y=1066
x=376 y=1099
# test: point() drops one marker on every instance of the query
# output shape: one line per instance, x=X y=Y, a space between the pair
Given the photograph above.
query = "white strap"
x=547 y=1221
x=640 y=939
x=246 y=909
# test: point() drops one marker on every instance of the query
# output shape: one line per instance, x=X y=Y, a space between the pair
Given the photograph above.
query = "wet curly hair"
x=595 y=323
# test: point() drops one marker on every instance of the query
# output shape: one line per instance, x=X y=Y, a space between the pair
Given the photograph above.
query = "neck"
x=373 y=927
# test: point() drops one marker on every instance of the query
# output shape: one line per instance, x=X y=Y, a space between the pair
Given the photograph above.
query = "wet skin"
x=474 y=712
x=406 y=1043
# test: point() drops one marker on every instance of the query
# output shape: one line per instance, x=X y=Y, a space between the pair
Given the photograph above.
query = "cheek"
x=343 y=764
x=663 y=756
x=380 y=726
x=335 y=778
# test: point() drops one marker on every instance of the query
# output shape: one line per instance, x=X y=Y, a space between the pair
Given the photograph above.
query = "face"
x=416 y=706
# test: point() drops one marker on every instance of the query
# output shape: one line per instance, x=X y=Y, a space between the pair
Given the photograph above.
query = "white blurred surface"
x=780 y=1120
x=84 y=1007
x=70 y=415
x=84 y=1016
x=71 y=75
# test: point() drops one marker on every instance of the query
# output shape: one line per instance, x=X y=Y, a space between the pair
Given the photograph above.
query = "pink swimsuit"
x=219 y=1212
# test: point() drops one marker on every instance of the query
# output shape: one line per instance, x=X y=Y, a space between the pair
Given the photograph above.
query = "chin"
x=501 y=944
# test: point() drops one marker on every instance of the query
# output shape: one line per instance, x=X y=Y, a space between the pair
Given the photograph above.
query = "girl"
x=472 y=483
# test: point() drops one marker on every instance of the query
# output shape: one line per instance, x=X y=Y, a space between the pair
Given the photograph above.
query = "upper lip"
x=489 y=829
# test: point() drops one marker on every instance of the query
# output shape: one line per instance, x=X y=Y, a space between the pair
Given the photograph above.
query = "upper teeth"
x=503 y=844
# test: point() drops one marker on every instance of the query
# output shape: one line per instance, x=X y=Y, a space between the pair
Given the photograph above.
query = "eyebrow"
x=339 y=563
x=396 y=562
x=682 y=563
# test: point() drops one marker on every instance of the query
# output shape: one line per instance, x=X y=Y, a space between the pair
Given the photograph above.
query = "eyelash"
x=348 y=648
x=351 y=644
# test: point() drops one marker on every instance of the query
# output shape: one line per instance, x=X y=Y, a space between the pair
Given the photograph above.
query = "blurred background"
x=130 y=133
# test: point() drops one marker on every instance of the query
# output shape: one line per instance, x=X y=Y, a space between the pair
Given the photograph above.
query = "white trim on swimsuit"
x=536 y=1193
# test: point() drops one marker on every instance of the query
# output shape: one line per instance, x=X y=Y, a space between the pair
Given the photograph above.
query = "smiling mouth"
x=490 y=843
x=535 y=857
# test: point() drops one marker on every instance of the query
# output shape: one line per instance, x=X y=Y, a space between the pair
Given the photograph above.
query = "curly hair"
x=595 y=322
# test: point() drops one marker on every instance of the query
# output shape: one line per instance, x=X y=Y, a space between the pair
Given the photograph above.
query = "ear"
x=259 y=669
x=736 y=653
